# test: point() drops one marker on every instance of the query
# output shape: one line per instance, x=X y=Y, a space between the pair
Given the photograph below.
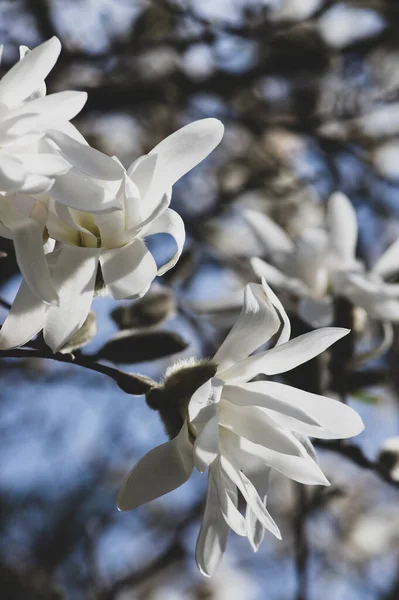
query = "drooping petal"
x=256 y=324
x=206 y=445
x=28 y=74
x=316 y=312
x=227 y=495
x=286 y=356
x=250 y=495
x=24 y=321
x=128 y=271
x=258 y=394
x=160 y=471
x=255 y=529
x=213 y=535
x=169 y=222
x=336 y=420
x=74 y=278
x=299 y=468
x=273 y=238
x=342 y=224
x=388 y=263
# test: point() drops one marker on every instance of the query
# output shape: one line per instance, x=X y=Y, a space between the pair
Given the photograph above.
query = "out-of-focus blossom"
x=293 y=10
x=342 y=24
x=110 y=244
x=241 y=430
x=320 y=264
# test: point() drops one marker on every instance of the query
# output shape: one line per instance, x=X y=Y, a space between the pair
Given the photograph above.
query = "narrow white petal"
x=256 y=426
x=206 y=445
x=160 y=471
x=213 y=535
x=62 y=105
x=388 y=263
x=28 y=242
x=90 y=161
x=337 y=420
x=278 y=279
x=272 y=237
x=256 y=324
x=250 y=495
x=128 y=271
x=74 y=278
x=24 y=320
x=169 y=222
x=299 y=468
x=142 y=171
x=342 y=224
x=184 y=149
x=227 y=495
x=286 y=356
x=29 y=73
x=259 y=394
x=260 y=480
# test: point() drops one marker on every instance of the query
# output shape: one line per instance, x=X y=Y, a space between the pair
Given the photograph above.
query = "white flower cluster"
x=77 y=218
x=71 y=210
x=241 y=431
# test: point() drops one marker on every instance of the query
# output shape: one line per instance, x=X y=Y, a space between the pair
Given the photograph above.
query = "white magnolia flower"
x=242 y=430
x=33 y=131
x=114 y=240
x=321 y=263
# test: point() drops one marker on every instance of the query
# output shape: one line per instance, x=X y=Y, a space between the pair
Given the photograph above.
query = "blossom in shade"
x=321 y=264
x=109 y=246
x=241 y=430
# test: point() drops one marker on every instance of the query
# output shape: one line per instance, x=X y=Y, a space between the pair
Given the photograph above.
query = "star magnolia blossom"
x=114 y=241
x=243 y=430
x=33 y=131
x=322 y=261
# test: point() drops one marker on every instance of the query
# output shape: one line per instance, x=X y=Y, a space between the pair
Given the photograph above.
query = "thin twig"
x=130 y=383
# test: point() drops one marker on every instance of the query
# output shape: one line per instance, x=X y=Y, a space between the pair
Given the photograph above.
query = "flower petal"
x=256 y=324
x=255 y=529
x=85 y=194
x=388 y=263
x=74 y=278
x=61 y=105
x=273 y=238
x=286 y=356
x=277 y=279
x=213 y=535
x=256 y=426
x=342 y=224
x=12 y=173
x=203 y=403
x=206 y=445
x=228 y=501
x=28 y=242
x=285 y=332
x=299 y=468
x=160 y=471
x=169 y=222
x=128 y=271
x=337 y=420
x=24 y=321
x=29 y=73
x=258 y=394
x=250 y=495
x=90 y=161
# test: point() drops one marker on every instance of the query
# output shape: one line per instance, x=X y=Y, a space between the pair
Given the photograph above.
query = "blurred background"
x=308 y=91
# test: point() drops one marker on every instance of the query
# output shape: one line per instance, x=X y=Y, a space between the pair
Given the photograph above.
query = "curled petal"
x=169 y=222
